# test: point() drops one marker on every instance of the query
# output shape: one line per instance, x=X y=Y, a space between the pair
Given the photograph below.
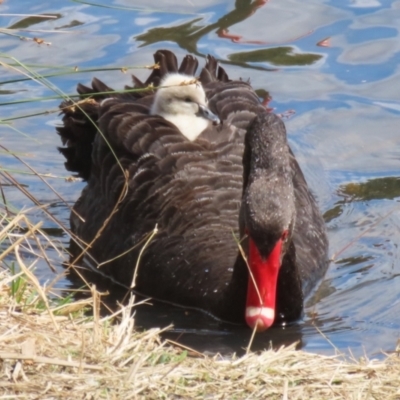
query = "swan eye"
x=285 y=235
x=188 y=100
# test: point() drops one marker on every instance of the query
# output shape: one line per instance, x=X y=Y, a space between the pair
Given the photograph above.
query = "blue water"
x=346 y=99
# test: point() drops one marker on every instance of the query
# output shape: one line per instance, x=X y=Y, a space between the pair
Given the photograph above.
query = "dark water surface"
x=341 y=104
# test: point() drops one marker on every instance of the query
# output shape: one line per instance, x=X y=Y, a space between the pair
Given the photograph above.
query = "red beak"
x=261 y=292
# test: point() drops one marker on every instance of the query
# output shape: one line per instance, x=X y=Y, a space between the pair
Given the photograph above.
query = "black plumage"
x=235 y=179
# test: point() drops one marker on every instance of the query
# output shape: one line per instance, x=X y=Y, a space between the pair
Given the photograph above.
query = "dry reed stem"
x=155 y=231
x=36 y=284
x=121 y=197
x=9 y=249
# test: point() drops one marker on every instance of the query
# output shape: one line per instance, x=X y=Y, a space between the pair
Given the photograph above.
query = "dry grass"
x=53 y=350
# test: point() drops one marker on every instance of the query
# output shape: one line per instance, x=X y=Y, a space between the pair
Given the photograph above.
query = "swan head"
x=183 y=101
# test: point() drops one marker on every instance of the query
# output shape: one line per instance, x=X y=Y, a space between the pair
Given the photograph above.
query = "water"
x=341 y=105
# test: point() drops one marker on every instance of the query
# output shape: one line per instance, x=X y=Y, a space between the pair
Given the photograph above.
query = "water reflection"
x=188 y=34
x=373 y=189
x=276 y=56
x=30 y=21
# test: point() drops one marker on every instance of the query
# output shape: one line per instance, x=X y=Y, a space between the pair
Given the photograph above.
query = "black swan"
x=203 y=161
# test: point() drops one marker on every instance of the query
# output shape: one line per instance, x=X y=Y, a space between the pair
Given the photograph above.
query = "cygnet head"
x=182 y=101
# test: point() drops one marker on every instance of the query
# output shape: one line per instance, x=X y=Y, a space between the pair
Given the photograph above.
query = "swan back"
x=182 y=101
